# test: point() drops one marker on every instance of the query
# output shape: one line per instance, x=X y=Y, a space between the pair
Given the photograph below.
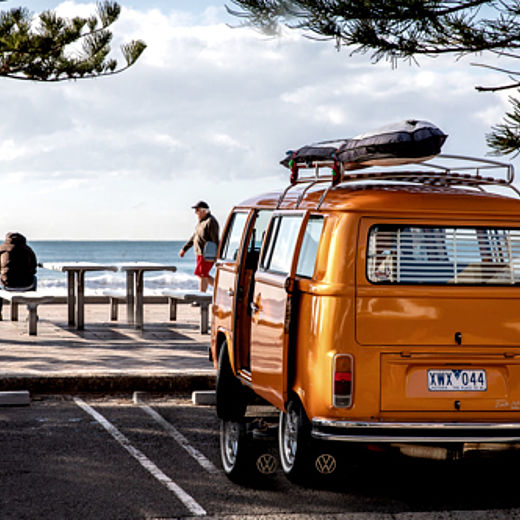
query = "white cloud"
x=226 y=141
x=10 y=151
x=166 y=141
x=207 y=112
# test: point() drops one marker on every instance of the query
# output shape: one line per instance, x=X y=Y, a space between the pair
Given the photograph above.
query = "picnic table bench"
x=44 y=296
x=176 y=296
x=170 y=296
x=32 y=299
x=117 y=297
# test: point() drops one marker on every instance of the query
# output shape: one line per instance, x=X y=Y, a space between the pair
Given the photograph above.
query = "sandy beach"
x=106 y=355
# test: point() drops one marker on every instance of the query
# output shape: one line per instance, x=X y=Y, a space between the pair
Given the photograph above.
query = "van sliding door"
x=271 y=307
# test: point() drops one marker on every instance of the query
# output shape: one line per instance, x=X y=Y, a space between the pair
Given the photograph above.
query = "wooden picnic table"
x=135 y=288
x=76 y=286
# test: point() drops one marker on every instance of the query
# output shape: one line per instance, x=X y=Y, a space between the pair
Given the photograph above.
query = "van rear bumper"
x=414 y=432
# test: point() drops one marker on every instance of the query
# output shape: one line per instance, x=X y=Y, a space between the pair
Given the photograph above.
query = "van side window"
x=428 y=255
x=309 y=249
x=234 y=232
x=279 y=251
x=257 y=238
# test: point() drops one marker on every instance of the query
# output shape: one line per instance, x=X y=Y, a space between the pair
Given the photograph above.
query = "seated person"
x=17 y=264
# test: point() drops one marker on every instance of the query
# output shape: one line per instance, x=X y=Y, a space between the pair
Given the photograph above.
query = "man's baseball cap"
x=201 y=205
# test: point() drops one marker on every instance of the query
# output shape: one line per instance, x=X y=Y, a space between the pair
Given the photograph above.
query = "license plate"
x=466 y=380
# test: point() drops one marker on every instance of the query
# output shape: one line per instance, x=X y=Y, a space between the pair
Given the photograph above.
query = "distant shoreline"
x=116 y=252
x=106 y=240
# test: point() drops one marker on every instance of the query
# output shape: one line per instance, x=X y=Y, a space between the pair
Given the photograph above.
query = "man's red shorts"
x=203 y=267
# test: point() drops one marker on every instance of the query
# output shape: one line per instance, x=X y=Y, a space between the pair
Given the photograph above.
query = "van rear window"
x=442 y=255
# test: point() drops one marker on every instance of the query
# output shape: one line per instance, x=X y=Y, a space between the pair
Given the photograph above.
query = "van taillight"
x=342 y=385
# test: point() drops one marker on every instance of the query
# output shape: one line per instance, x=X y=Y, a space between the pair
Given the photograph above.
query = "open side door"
x=271 y=306
x=229 y=269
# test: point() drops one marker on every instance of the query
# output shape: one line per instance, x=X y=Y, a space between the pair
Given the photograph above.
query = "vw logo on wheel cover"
x=266 y=464
x=326 y=464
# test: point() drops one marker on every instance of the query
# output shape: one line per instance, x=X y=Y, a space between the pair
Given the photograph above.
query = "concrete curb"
x=15 y=398
x=85 y=383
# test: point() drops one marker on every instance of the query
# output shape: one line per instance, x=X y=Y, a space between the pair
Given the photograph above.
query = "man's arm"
x=187 y=246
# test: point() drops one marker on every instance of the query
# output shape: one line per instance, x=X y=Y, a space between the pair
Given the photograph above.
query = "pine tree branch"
x=403 y=30
x=39 y=52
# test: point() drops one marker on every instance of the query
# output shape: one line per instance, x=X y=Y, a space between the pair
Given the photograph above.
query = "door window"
x=233 y=238
x=257 y=238
x=282 y=240
x=309 y=249
x=260 y=227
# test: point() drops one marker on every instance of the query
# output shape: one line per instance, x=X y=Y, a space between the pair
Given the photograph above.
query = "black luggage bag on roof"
x=405 y=142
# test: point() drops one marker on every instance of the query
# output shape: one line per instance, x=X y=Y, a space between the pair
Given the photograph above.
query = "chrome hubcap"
x=290 y=437
x=231 y=435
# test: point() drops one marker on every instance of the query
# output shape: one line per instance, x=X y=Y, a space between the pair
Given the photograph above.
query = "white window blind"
x=427 y=255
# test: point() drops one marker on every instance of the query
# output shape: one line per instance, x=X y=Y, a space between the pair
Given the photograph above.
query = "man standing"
x=206 y=231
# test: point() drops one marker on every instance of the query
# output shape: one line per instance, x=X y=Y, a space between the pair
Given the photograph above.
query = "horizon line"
x=106 y=240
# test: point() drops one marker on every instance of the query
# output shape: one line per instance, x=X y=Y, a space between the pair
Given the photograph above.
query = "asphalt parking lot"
x=93 y=457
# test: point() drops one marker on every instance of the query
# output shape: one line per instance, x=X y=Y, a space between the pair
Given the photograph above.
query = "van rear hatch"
x=426 y=285
x=418 y=316
x=450 y=382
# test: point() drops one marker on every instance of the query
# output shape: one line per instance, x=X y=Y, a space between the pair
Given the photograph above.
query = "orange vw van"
x=378 y=308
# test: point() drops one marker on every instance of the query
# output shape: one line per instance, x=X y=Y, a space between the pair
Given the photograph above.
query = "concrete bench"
x=176 y=296
x=118 y=296
x=115 y=297
x=32 y=299
x=170 y=296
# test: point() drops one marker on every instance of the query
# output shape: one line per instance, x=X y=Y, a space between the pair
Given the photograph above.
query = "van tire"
x=231 y=394
x=246 y=461
x=295 y=443
x=235 y=453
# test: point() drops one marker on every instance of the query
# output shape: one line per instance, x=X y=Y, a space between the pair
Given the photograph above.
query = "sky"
x=207 y=113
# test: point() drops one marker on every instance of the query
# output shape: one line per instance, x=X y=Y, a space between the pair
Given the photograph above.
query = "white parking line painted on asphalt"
x=179 y=437
x=186 y=499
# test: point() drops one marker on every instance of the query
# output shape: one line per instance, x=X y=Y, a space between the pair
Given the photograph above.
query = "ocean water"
x=116 y=253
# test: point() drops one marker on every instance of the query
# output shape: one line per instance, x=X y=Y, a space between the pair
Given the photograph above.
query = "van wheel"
x=245 y=461
x=234 y=448
x=294 y=443
x=231 y=394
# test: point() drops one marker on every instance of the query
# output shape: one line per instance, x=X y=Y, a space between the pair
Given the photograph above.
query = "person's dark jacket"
x=17 y=262
x=205 y=231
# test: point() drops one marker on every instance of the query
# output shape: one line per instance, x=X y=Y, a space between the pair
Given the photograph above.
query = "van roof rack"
x=441 y=171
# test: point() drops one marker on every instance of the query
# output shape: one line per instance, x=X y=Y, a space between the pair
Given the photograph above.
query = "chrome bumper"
x=414 y=432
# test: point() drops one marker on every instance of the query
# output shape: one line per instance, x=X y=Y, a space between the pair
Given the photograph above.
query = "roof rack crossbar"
x=475 y=164
x=304 y=191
